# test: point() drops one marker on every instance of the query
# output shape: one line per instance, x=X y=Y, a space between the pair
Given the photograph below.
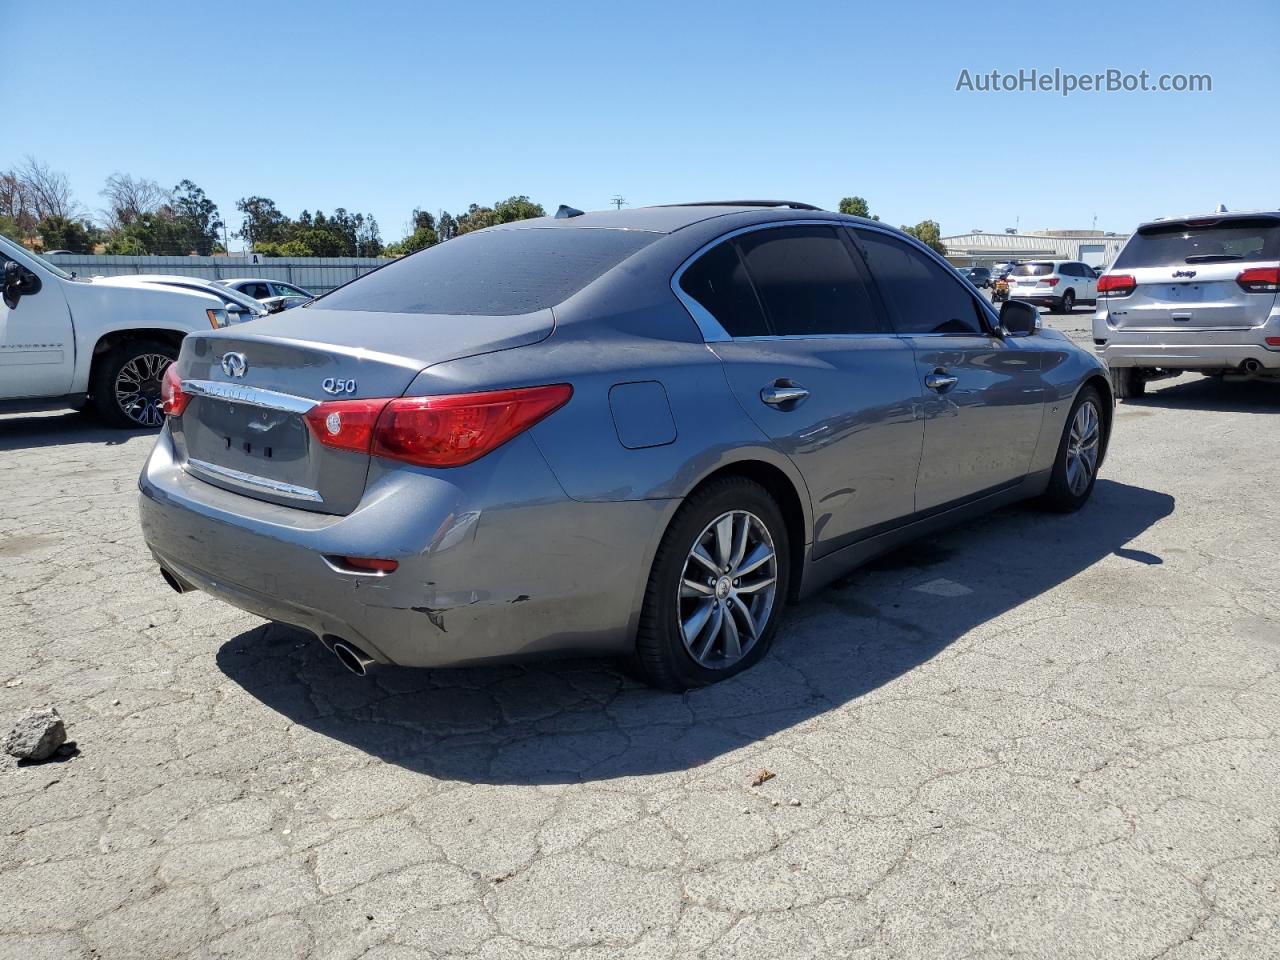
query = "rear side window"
x=1165 y=244
x=718 y=281
x=490 y=272
x=922 y=296
x=1033 y=270
x=808 y=281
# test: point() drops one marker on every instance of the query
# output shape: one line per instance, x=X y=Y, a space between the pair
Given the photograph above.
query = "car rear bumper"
x=495 y=562
x=1183 y=351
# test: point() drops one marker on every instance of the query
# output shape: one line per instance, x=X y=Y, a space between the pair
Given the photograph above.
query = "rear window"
x=1185 y=242
x=1033 y=270
x=490 y=272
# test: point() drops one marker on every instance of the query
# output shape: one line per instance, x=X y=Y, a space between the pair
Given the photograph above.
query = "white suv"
x=1056 y=284
x=1193 y=293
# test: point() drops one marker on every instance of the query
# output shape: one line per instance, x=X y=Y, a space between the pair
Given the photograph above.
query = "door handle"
x=940 y=380
x=783 y=392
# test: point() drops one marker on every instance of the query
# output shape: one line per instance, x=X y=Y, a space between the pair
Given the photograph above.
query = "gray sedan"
x=640 y=433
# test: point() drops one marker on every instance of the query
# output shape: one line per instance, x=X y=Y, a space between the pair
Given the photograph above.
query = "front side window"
x=922 y=296
x=718 y=281
x=808 y=282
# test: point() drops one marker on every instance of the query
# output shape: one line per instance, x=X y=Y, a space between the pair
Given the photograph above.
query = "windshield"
x=1192 y=241
x=6 y=244
x=1033 y=270
x=490 y=273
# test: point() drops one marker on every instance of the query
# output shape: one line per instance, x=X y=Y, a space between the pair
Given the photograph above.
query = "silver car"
x=639 y=433
x=1192 y=294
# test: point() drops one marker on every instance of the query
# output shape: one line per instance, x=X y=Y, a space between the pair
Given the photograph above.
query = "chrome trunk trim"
x=254 y=396
x=248 y=481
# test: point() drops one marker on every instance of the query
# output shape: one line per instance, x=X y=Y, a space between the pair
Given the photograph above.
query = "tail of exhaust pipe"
x=179 y=585
x=1252 y=366
x=353 y=658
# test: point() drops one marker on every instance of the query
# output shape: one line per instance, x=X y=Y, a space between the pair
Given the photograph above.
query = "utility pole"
x=618 y=201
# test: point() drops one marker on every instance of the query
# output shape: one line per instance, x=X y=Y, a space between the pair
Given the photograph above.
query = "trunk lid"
x=251 y=385
x=1185 y=273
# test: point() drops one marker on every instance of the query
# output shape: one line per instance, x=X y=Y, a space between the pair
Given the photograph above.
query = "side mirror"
x=18 y=282
x=1019 y=318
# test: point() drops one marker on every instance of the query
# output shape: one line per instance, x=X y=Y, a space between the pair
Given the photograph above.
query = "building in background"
x=977 y=249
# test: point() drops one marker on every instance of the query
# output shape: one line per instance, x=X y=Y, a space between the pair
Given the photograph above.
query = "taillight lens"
x=1260 y=279
x=173 y=399
x=1051 y=281
x=454 y=430
x=346 y=424
x=1117 y=285
x=443 y=431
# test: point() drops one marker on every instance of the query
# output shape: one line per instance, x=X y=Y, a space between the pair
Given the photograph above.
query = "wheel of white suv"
x=1067 y=303
x=1127 y=382
x=717 y=588
x=126 y=383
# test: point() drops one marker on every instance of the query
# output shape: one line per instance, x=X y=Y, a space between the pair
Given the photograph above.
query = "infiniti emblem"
x=234 y=364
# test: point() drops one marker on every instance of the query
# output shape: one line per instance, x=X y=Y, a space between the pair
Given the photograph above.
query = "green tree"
x=9 y=227
x=263 y=222
x=856 y=207
x=198 y=217
x=63 y=233
x=517 y=208
x=151 y=234
x=929 y=233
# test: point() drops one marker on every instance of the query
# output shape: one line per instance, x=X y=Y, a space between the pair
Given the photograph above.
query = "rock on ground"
x=36 y=736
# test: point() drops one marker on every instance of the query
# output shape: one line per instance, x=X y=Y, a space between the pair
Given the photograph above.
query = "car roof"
x=670 y=218
x=227 y=281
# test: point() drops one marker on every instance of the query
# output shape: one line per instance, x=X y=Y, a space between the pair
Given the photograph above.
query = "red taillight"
x=1117 y=285
x=346 y=424
x=1051 y=281
x=173 y=399
x=444 y=431
x=1273 y=341
x=1260 y=279
x=454 y=430
x=372 y=564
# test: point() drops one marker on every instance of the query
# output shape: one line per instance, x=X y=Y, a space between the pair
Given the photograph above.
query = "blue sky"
x=382 y=107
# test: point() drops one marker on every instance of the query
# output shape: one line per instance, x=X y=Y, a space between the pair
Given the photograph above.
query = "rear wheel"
x=1079 y=451
x=1127 y=382
x=1067 y=303
x=126 y=383
x=717 y=588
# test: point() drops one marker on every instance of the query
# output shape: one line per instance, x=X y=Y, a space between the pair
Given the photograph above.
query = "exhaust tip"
x=177 y=585
x=1252 y=365
x=353 y=659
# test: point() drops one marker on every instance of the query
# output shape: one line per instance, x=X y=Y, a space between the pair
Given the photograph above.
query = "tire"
x=663 y=658
x=1069 y=489
x=1067 y=304
x=1127 y=383
x=136 y=365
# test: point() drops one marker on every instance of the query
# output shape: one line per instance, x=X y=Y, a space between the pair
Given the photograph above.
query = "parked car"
x=1002 y=268
x=1197 y=293
x=1056 y=284
x=277 y=294
x=731 y=405
x=980 y=277
x=68 y=341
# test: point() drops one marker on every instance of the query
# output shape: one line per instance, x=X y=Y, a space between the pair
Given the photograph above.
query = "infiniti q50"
x=641 y=433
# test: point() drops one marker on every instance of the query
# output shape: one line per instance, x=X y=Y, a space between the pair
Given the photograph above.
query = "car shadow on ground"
x=574 y=721
x=60 y=429
x=1209 y=393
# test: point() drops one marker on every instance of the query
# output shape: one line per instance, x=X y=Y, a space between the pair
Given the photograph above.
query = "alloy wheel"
x=727 y=589
x=1082 y=448
x=137 y=388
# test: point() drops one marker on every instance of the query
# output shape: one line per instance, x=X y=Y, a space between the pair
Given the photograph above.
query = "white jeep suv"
x=1192 y=294
x=1056 y=284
